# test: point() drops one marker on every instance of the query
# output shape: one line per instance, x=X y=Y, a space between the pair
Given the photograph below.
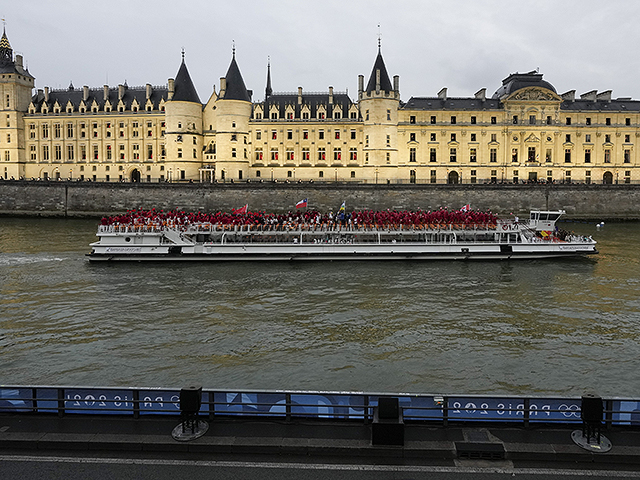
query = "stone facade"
x=526 y=131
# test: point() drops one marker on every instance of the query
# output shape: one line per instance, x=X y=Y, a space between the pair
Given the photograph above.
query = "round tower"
x=379 y=104
x=184 y=128
x=232 y=112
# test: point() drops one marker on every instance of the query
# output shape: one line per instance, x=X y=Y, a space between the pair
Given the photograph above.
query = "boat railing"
x=208 y=228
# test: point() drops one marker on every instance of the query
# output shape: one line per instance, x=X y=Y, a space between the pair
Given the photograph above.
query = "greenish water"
x=517 y=327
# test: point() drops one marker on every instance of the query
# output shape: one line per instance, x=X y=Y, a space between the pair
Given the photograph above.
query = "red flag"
x=241 y=209
x=302 y=203
x=466 y=208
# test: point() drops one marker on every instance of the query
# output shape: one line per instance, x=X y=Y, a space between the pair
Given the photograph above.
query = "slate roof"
x=184 y=90
x=619 y=105
x=313 y=100
x=235 y=89
x=436 y=103
x=472 y=103
x=516 y=81
x=385 y=83
x=97 y=94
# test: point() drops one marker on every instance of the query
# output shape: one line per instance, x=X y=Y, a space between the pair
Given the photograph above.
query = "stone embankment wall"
x=76 y=199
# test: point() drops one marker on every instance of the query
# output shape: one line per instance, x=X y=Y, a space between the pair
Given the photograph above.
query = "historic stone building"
x=525 y=131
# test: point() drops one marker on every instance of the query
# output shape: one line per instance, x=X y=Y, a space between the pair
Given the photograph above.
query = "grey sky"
x=461 y=44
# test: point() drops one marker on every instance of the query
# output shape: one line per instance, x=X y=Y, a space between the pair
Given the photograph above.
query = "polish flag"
x=241 y=209
x=302 y=203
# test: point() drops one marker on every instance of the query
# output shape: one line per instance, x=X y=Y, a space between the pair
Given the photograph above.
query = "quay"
x=309 y=434
x=97 y=199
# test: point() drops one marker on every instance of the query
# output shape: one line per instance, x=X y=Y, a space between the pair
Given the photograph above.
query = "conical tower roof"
x=385 y=83
x=185 y=91
x=6 y=52
x=235 y=89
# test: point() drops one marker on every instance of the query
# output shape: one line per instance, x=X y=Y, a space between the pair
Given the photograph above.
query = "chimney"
x=85 y=93
x=223 y=86
x=46 y=94
x=606 y=95
x=18 y=62
x=105 y=93
x=442 y=94
x=589 y=95
x=120 y=92
x=40 y=95
x=570 y=95
x=360 y=85
x=396 y=84
x=481 y=94
x=299 y=95
x=172 y=88
x=149 y=90
x=330 y=95
x=378 y=81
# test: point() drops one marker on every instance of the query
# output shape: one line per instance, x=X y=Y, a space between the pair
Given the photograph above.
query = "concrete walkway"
x=312 y=439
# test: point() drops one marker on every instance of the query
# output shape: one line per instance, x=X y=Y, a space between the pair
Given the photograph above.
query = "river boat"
x=504 y=239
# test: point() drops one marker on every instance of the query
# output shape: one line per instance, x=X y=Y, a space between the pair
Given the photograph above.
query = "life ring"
x=505 y=227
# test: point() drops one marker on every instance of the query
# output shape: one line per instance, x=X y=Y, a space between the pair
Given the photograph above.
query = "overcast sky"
x=463 y=45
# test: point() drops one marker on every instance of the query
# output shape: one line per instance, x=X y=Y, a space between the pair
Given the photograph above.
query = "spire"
x=235 y=87
x=268 y=91
x=379 y=79
x=6 y=52
x=185 y=91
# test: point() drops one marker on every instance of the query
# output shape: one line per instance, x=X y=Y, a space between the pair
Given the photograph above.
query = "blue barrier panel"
x=555 y=410
x=14 y=399
x=162 y=402
x=513 y=409
x=109 y=402
x=47 y=399
x=421 y=408
x=236 y=403
x=625 y=412
x=327 y=405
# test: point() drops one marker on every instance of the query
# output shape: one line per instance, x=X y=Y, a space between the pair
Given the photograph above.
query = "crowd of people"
x=353 y=219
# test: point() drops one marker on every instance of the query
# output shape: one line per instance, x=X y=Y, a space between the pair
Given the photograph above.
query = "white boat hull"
x=292 y=252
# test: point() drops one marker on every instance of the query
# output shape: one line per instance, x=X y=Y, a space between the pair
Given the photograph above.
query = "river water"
x=539 y=327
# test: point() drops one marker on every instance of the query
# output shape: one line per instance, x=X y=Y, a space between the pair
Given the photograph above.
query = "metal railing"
x=341 y=406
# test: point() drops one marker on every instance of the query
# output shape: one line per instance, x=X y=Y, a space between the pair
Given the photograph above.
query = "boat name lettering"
x=123 y=250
